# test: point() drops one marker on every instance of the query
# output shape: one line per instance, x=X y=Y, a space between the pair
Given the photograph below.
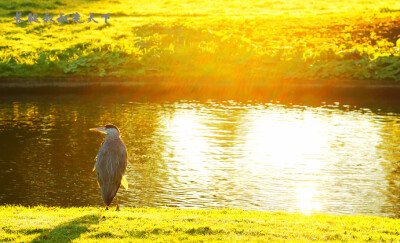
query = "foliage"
x=190 y=39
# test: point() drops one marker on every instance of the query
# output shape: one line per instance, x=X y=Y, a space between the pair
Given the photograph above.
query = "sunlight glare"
x=306 y=202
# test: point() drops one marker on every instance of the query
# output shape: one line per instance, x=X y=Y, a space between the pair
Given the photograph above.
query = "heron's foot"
x=116 y=198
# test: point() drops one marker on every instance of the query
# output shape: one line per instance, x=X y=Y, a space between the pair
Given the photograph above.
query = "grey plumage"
x=111 y=163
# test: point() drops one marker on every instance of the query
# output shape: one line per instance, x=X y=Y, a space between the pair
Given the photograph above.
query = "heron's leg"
x=117 y=202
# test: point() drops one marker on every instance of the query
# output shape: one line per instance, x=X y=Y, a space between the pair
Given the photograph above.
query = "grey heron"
x=111 y=163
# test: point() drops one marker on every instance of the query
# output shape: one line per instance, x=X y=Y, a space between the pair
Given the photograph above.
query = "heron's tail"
x=108 y=192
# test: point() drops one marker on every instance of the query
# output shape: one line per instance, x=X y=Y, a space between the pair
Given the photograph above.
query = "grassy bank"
x=21 y=224
x=190 y=39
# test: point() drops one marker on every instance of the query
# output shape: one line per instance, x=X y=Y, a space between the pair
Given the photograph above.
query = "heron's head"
x=108 y=129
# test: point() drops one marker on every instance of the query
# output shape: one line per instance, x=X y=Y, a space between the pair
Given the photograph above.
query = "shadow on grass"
x=70 y=230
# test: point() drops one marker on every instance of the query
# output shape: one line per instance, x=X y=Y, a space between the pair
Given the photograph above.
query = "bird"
x=111 y=164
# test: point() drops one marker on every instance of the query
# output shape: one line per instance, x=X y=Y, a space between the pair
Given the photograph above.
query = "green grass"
x=43 y=224
x=218 y=40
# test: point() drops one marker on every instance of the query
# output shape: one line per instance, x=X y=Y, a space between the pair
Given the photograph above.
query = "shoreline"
x=70 y=82
x=350 y=92
x=42 y=224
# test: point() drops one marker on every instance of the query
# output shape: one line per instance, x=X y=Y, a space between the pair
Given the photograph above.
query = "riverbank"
x=167 y=81
x=43 y=224
x=187 y=40
x=351 y=92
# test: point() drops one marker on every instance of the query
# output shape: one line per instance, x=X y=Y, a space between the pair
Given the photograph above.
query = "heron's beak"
x=99 y=129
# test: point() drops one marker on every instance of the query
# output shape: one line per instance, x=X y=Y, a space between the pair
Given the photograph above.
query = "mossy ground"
x=188 y=39
x=43 y=224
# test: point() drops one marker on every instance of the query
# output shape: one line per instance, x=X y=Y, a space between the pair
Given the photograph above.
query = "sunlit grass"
x=222 y=40
x=42 y=224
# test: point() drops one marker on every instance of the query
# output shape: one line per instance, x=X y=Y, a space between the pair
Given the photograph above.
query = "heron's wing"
x=123 y=162
x=124 y=182
x=111 y=166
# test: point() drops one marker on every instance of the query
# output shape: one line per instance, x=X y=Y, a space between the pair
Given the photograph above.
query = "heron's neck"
x=112 y=137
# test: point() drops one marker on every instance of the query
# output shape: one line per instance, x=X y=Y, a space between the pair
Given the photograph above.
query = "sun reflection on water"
x=270 y=156
x=306 y=199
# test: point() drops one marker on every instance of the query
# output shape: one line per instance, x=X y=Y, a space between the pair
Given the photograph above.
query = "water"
x=193 y=153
